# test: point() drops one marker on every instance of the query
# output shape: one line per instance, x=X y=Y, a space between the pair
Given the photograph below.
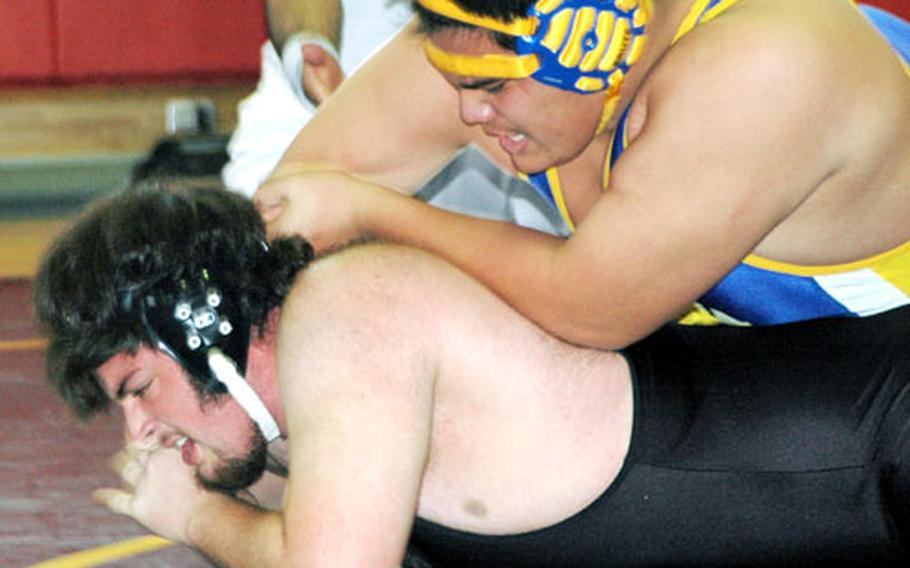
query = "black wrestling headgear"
x=188 y=316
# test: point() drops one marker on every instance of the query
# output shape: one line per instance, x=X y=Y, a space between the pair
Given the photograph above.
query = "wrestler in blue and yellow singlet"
x=758 y=291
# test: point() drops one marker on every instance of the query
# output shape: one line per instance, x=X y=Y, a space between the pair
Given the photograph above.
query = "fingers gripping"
x=130 y=466
x=159 y=490
x=117 y=501
x=322 y=205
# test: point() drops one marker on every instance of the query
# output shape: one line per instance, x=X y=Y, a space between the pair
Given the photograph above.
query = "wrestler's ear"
x=321 y=73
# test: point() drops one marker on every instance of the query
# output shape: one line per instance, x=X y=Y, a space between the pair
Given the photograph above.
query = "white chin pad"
x=226 y=372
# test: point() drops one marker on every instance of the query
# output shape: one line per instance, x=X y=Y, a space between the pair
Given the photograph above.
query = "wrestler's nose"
x=474 y=107
x=141 y=426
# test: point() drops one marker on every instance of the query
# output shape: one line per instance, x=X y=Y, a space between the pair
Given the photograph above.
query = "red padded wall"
x=158 y=38
x=26 y=40
x=76 y=40
x=899 y=7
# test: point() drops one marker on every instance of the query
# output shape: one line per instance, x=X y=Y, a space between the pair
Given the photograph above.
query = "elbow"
x=598 y=326
x=592 y=307
x=606 y=337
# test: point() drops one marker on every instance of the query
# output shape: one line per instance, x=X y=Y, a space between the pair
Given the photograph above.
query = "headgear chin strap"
x=203 y=329
x=226 y=371
x=583 y=46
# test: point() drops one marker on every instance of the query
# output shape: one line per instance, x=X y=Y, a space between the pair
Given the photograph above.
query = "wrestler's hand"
x=327 y=208
x=160 y=491
x=322 y=73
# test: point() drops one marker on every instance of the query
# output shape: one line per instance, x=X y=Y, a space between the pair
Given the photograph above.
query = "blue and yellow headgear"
x=584 y=46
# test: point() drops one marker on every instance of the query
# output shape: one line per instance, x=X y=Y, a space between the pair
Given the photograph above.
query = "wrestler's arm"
x=726 y=154
x=395 y=122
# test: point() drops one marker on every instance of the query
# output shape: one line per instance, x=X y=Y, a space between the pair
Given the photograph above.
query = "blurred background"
x=89 y=88
x=92 y=91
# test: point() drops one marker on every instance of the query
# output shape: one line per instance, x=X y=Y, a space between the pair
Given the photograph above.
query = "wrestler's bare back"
x=525 y=430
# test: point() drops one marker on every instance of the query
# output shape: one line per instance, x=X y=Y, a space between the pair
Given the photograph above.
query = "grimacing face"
x=539 y=126
x=161 y=407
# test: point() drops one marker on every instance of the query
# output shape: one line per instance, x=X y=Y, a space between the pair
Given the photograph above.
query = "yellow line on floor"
x=23 y=344
x=104 y=554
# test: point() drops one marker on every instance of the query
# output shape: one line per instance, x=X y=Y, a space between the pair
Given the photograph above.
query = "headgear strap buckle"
x=189 y=316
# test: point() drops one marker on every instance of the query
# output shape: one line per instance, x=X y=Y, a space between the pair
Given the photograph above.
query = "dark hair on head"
x=505 y=10
x=138 y=236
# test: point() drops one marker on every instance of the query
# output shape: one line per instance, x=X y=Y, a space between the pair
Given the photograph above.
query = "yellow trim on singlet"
x=717 y=10
x=605 y=175
x=893 y=265
x=690 y=20
x=697 y=15
x=874 y=262
x=556 y=190
x=698 y=315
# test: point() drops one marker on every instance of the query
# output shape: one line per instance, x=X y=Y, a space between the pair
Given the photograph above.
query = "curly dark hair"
x=141 y=235
x=505 y=10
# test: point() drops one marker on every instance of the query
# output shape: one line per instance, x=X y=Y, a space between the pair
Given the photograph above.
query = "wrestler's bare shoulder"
x=808 y=98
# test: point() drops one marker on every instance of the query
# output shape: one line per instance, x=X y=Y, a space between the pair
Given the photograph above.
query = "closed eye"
x=140 y=392
x=495 y=87
x=487 y=85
